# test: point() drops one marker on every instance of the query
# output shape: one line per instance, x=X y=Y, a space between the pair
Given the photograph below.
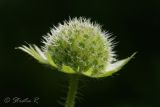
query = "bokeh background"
x=135 y=23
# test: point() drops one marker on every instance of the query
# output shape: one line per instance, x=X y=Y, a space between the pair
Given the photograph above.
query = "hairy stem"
x=72 y=91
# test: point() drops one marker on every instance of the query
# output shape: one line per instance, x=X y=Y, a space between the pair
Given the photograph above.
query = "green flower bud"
x=78 y=47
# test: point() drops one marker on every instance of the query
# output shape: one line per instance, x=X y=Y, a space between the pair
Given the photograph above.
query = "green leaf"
x=88 y=72
x=114 y=67
x=35 y=52
x=68 y=69
x=50 y=60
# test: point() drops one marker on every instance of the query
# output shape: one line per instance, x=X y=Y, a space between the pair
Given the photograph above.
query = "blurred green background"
x=135 y=23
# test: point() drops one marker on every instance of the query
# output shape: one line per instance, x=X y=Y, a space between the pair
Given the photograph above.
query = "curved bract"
x=78 y=47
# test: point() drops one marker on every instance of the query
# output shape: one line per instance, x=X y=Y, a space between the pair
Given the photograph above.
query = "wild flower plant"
x=80 y=48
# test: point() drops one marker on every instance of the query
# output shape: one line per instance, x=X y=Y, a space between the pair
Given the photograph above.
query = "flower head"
x=78 y=47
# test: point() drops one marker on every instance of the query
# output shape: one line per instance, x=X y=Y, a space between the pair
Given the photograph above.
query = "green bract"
x=78 y=47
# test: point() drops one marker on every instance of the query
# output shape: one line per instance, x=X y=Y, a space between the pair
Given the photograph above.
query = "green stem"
x=72 y=91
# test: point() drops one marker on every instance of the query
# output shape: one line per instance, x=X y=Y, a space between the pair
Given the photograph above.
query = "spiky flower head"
x=78 y=47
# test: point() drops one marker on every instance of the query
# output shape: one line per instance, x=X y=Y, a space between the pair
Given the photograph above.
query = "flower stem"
x=72 y=91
